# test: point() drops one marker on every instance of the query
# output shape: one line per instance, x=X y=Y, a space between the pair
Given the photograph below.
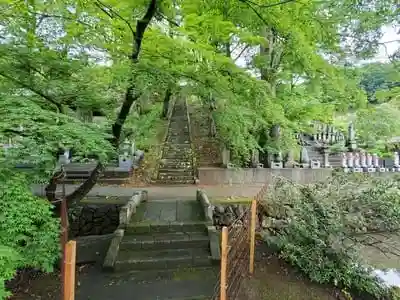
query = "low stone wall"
x=124 y=218
x=92 y=248
x=259 y=175
x=93 y=219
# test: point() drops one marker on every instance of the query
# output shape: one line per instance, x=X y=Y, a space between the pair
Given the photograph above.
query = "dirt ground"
x=276 y=280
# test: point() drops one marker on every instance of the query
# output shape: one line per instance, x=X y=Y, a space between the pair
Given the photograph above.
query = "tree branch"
x=241 y=52
x=172 y=22
x=46 y=15
x=32 y=89
x=268 y=5
x=250 y=4
x=111 y=13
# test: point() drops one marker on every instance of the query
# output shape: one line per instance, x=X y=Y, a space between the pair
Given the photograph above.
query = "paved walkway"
x=168 y=211
x=185 y=192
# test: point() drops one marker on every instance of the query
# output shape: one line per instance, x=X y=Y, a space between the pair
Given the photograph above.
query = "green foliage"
x=377 y=125
x=58 y=56
x=29 y=234
x=380 y=81
x=145 y=128
x=327 y=222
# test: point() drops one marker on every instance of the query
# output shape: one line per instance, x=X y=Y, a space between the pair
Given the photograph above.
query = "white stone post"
x=369 y=160
x=344 y=160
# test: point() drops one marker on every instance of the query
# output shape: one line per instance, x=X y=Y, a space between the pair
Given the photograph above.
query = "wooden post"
x=252 y=235
x=224 y=261
x=69 y=269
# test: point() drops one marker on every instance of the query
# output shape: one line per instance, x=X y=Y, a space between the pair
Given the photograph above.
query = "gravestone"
x=357 y=168
x=125 y=158
x=304 y=157
x=352 y=137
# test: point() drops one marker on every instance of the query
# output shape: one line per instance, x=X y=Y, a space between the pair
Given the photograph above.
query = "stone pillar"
x=344 y=160
x=369 y=161
x=396 y=162
x=326 y=163
x=352 y=137
x=289 y=159
x=350 y=160
x=226 y=157
x=255 y=158
x=64 y=158
x=357 y=167
x=125 y=158
x=304 y=157
x=277 y=163
x=363 y=159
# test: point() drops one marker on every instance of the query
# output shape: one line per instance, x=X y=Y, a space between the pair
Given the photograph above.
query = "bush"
x=29 y=234
x=324 y=223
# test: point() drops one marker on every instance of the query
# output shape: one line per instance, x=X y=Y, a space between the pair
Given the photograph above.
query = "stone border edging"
x=194 y=160
x=213 y=233
x=206 y=204
x=125 y=216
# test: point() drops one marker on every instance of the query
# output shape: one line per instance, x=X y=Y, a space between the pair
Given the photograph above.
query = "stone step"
x=174 y=182
x=177 y=151
x=175 y=172
x=168 y=274
x=180 y=284
x=100 y=180
x=165 y=227
x=179 y=177
x=162 y=259
x=176 y=166
x=178 y=157
x=178 y=130
x=174 y=140
x=176 y=240
x=179 y=146
x=177 y=162
x=182 y=160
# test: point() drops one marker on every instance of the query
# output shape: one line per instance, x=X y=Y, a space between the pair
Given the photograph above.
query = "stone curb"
x=129 y=208
x=206 y=204
x=113 y=250
x=213 y=233
x=125 y=216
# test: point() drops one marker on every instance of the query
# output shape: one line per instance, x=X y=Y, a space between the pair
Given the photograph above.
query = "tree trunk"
x=85 y=187
x=167 y=98
x=132 y=94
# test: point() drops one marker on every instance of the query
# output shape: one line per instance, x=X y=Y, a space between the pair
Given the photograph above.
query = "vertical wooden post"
x=252 y=234
x=69 y=269
x=224 y=261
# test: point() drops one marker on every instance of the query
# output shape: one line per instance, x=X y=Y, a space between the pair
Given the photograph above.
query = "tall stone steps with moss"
x=176 y=165
x=208 y=150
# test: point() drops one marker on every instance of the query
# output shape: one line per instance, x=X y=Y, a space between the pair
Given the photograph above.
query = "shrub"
x=325 y=223
x=29 y=234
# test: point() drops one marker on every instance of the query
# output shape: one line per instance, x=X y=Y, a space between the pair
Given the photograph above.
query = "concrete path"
x=184 y=192
x=168 y=211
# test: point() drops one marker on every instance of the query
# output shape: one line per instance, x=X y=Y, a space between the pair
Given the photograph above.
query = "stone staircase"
x=335 y=160
x=165 y=252
x=208 y=150
x=176 y=166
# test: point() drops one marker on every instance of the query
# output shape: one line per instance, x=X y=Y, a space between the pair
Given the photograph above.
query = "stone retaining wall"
x=93 y=219
x=216 y=176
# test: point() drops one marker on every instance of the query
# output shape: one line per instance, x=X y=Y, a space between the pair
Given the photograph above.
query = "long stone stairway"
x=165 y=252
x=176 y=166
